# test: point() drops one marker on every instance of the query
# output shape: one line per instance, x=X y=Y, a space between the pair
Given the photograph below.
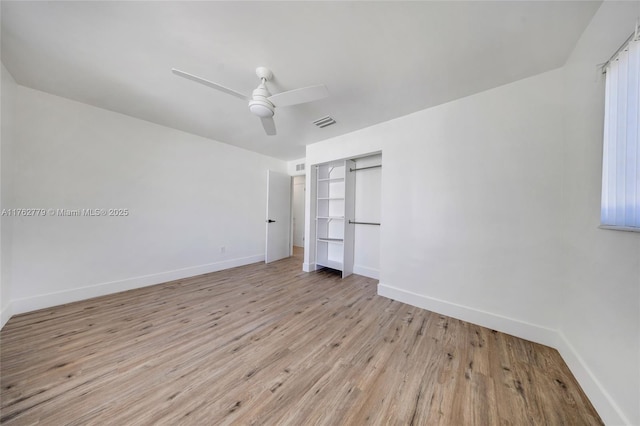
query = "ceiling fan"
x=261 y=102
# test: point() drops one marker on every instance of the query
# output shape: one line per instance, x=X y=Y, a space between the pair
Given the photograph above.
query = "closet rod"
x=365 y=168
x=363 y=223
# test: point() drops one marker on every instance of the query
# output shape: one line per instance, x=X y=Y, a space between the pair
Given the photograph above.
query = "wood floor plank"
x=270 y=344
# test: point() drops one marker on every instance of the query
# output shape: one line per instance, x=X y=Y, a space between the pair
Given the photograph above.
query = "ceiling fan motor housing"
x=259 y=104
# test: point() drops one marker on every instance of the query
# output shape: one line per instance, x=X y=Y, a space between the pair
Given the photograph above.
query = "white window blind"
x=621 y=154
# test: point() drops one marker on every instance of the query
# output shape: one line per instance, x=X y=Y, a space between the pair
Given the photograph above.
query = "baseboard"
x=606 y=407
x=604 y=404
x=5 y=314
x=308 y=267
x=367 y=272
x=525 y=330
x=42 y=301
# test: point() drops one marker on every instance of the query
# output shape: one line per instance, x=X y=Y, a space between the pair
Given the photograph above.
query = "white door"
x=278 y=216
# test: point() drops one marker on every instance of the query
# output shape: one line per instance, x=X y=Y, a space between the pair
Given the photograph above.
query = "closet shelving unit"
x=334 y=207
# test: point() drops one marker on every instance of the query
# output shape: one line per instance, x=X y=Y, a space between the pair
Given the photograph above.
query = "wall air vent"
x=324 y=122
x=299 y=167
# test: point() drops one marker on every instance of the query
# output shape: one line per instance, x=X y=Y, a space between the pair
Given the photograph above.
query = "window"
x=621 y=153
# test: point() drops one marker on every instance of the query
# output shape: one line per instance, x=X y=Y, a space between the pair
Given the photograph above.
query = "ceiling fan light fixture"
x=262 y=109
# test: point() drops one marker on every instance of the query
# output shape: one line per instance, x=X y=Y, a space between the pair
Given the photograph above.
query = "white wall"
x=187 y=197
x=600 y=316
x=468 y=207
x=366 y=259
x=7 y=113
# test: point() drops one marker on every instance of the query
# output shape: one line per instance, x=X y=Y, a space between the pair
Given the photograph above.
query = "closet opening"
x=346 y=215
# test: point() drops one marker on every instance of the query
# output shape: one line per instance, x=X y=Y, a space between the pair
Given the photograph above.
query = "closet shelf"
x=334 y=198
x=330 y=264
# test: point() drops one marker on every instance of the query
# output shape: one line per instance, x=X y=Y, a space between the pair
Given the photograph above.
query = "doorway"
x=297 y=214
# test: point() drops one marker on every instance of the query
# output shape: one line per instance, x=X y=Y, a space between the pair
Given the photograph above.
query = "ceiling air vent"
x=324 y=122
x=299 y=167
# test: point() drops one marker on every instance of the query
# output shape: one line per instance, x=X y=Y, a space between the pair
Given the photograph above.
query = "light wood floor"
x=269 y=344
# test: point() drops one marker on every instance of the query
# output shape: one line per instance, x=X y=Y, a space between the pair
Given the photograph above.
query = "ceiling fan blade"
x=269 y=125
x=209 y=83
x=299 y=96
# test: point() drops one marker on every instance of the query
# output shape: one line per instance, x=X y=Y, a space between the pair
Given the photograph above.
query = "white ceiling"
x=379 y=60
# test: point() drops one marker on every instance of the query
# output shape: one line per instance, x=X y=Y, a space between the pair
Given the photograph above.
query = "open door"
x=278 y=216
